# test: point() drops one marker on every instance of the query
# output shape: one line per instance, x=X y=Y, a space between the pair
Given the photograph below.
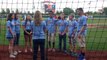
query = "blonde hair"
x=37 y=18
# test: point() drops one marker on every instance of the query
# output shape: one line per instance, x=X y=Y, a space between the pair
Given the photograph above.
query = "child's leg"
x=16 y=43
x=83 y=49
x=35 y=48
x=42 y=49
x=11 y=51
x=11 y=46
x=53 y=40
x=17 y=46
x=64 y=42
x=26 y=42
x=60 y=42
x=81 y=40
x=30 y=42
x=49 y=40
x=70 y=44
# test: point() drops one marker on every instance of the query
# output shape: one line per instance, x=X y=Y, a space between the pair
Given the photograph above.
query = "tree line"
x=66 y=10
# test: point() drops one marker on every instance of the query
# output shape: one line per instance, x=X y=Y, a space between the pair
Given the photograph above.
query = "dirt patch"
x=96 y=26
x=90 y=55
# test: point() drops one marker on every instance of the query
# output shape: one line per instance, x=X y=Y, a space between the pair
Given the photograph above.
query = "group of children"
x=13 y=34
x=34 y=31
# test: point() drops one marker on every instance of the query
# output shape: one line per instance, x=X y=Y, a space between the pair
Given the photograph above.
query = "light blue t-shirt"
x=82 y=21
x=62 y=25
x=27 y=24
x=50 y=25
x=72 y=25
x=38 y=31
x=11 y=25
x=17 y=26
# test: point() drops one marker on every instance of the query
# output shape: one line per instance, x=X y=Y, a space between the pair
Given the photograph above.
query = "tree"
x=68 y=11
x=105 y=10
x=95 y=13
x=3 y=11
x=58 y=12
x=28 y=12
x=7 y=10
x=89 y=12
x=12 y=11
x=17 y=11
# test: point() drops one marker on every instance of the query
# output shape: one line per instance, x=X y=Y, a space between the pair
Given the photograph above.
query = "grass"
x=96 y=37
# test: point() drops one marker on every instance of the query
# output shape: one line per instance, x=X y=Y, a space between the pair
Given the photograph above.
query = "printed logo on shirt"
x=62 y=24
x=49 y=21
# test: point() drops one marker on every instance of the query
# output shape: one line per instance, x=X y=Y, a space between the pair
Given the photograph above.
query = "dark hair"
x=27 y=16
x=51 y=12
x=26 y=20
x=15 y=16
x=80 y=9
x=9 y=17
x=59 y=17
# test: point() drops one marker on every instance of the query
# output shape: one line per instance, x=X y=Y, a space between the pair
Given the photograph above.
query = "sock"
x=53 y=44
x=49 y=44
x=82 y=53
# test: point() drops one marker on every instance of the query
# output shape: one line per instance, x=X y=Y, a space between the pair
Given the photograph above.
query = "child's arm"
x=10 y=30
x=18 y=22
x=84 y=25
x=65 y=31
x=24 y=28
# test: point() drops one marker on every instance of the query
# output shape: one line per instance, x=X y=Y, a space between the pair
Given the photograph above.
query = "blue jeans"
x=39 y=43
x=16 y=41
x=62 y=39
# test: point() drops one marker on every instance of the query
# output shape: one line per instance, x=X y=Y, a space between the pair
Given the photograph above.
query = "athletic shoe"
x=65 y=52
x=81 y=57
x=19 y=51
x=74 y=54
x=31 y=50
x=12 y=56
x=49 y=49
x=15 y=53
x=53 y=50
x=25 y=51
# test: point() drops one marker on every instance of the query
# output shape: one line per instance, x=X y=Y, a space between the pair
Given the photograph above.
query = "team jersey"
x=17 y=26
x=38 y=31
x=72 y=26
x=82 y=21
x=50 y=25
x=27 y=24
x=11 y=25
x=62 y=25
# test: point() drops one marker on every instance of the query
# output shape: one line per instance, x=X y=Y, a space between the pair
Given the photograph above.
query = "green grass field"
x=96 y=37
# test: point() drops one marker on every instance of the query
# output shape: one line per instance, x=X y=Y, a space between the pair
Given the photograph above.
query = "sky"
x=28 y=5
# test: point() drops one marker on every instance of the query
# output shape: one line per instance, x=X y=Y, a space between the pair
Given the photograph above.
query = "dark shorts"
x=27 y=31
x=9 y=38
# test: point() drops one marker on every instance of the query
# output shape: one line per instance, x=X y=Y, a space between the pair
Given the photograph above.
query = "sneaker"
x=19 y=51
x=81 y=57
x=74 y=54
x=15 y=53
x=65 y=51
x=25 y=50
x=49 y=49
x=84 y=59
x=31 y=50
x=53 y=50
x=12 y=56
